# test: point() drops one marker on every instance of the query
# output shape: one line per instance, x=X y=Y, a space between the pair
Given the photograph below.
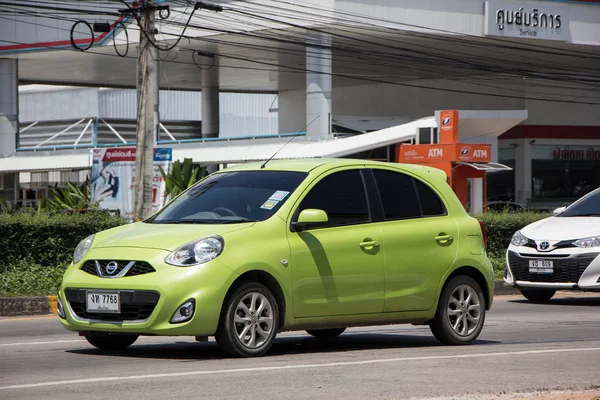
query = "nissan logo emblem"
x=544 y=245
x=111 y=267
x=445 y=121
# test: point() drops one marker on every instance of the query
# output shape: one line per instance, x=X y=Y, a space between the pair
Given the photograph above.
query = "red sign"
x=448 y=126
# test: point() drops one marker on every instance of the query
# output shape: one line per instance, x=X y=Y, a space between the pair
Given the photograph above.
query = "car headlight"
x=518 y=239
x=82 y=248
x=196 y=252
x=588 y=242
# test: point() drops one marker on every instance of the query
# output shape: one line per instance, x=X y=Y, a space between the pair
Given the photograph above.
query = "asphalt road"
x=523 y=348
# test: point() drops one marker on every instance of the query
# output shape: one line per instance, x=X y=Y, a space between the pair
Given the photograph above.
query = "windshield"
x=587 y=206
x=231 y=197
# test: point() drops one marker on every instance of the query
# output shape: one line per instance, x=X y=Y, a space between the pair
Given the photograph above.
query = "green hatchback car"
x=317 y=245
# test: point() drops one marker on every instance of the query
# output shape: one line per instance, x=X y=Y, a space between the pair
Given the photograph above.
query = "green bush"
x=501 y=226
x=22 y=279
x=47 y=239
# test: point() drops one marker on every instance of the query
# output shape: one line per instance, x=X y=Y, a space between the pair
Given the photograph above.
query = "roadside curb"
x=501 y=288
x=37 y=305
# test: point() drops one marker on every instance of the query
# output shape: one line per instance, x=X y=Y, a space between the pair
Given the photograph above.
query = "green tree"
x=182 y=176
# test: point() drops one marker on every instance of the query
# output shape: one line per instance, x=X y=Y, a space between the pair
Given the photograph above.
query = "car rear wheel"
x=249 y=321
x=461 y=312
x=538 y=295
x=326 y=333
x=111 y=341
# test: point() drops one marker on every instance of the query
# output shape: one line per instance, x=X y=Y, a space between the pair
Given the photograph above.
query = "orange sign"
x=448 y=126
x=429 y=153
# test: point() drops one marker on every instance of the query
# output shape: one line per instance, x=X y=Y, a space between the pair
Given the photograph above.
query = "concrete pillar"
x=476 y=196
x=209 y=77
x=291 y=110
x=9 y=106
x=523 y=171
x=318 y=90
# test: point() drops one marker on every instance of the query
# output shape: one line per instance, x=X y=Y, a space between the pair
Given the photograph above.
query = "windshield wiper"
x=236 y=221
x=187 y=221
x=585 y=215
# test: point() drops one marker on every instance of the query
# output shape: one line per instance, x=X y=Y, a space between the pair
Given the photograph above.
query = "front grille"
x=138 y=268
x=563 y=244
x=566 y=270
x=135 y=305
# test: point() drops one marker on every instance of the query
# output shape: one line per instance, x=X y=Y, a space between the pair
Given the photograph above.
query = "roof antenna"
x=288 y=142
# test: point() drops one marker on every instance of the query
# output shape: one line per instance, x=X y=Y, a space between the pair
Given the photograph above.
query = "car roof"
x=309 y=164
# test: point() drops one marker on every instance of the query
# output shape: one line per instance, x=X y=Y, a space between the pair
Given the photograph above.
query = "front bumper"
x=573 y=268
x=149 y=300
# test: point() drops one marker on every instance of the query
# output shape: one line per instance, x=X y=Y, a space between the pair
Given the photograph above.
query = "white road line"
x=296 y=366
x=34 y=343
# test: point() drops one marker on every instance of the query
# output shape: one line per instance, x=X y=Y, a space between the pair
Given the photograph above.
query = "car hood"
x=563 y=228
x=161 y=236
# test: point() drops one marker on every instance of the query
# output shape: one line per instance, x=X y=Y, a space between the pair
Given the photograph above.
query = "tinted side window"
x=398 y=194
x=342 y=196
x=431 y=204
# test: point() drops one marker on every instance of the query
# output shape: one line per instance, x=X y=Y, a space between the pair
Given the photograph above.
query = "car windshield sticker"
x=279 y=195
x=269 y=204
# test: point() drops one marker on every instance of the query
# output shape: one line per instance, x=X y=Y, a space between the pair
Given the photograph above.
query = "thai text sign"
x=526 y=20
x=113 y=178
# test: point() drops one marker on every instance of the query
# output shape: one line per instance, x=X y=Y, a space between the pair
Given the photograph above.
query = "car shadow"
x=287 y=345
x=589 y=301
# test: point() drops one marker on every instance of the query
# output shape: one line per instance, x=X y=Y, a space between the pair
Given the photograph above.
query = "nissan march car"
x=559 y=252
x=317 y=245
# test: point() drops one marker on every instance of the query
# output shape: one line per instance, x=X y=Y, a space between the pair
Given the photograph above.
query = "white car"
x=557 y=253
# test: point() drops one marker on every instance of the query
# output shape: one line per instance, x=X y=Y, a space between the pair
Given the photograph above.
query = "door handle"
x=444 y=239
x=369 y=244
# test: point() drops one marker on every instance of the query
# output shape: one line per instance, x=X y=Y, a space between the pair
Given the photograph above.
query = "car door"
x=420 y=240
x=337 y=269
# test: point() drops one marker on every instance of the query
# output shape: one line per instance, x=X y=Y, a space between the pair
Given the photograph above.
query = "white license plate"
x=103 y=302
x=541 y=266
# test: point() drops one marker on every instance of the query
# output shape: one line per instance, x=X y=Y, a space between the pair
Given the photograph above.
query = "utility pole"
x=147 y=110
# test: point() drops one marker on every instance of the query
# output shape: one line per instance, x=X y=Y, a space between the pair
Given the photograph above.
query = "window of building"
x=564 y=172
x=342 y=196
x=501 y=184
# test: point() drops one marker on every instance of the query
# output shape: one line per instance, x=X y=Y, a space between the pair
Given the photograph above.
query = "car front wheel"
x=461 y=312
x=538 y=295
x=250 y=321
x=110 y=341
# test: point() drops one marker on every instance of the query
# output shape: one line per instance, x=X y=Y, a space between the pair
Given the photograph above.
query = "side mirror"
x=558 y=211
x=310 y=218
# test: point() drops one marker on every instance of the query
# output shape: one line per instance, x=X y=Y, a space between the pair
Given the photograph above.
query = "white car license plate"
x=541 y=266
x=103 y=302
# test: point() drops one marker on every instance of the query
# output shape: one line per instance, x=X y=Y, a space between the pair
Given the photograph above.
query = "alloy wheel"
x=464 y=310
x=253 y=320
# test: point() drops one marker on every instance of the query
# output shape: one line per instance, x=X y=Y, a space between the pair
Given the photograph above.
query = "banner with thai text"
x=113 y=179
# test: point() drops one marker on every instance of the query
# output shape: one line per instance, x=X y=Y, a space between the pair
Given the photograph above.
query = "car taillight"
x=484 y=234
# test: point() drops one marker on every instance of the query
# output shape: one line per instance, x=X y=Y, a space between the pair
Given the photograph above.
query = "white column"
x=476 y=195
x=291 y=110
x=209 y=76
x=9 y=106
x=318 y=90
x=523 y=171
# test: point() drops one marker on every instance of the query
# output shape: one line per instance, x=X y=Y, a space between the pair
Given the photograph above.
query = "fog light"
x=184 y=312
x=60 y=310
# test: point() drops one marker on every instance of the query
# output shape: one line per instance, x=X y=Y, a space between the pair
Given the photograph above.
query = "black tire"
x=111 y=341
x=227 y=332
x=442 y=324
x=538 y=295
x=326 y=333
